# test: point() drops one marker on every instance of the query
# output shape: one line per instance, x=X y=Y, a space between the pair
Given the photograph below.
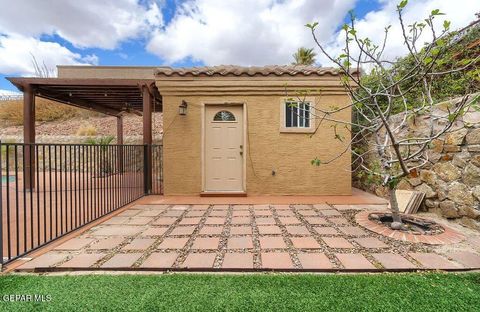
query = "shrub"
x=87 y=130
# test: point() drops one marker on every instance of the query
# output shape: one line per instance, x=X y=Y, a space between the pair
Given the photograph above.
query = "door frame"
x=245 y=147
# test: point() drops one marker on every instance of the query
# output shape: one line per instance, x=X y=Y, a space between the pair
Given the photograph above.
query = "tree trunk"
x=394 y=206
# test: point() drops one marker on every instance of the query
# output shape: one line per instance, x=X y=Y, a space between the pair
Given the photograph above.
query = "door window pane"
x=224 y=116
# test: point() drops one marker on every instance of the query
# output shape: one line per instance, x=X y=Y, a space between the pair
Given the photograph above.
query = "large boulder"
x=447 y=171
x=449 y=210
x=460 y=194
x=471 y=175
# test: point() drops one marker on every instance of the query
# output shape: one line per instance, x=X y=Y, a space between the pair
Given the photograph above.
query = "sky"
x=183 y=33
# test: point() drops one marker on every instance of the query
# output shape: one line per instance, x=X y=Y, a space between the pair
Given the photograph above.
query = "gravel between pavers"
x=255 y=213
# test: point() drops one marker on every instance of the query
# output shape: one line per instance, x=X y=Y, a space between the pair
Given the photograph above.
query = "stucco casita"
x=276 y=162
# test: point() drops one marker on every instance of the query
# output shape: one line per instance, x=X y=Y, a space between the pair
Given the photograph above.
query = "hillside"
x=103 y=125
x=61 y=123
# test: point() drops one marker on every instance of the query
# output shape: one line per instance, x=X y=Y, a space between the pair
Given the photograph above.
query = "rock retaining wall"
x=451 y=181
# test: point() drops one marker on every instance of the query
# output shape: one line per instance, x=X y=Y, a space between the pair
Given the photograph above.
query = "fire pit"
x=413 y=225
x=416 y=230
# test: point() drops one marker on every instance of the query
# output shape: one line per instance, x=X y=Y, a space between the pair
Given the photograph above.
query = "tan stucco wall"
x=289 y=154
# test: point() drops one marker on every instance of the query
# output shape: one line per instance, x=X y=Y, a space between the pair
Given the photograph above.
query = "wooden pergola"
x=109 y=96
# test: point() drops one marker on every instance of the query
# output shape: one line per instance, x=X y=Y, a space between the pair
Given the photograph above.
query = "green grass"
x=259 y=292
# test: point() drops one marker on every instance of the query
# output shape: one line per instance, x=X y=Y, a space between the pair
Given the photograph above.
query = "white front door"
x=223 y=148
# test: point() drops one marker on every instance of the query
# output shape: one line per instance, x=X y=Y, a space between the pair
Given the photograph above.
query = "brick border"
x=127 y=270
x=449 y=236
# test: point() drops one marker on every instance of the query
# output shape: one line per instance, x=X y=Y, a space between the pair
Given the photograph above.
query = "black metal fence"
x=49 y=190
x=157 y=169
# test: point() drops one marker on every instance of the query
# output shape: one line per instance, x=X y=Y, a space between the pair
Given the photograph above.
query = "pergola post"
x=120 y=143
x=147 y=137
x=29 y=136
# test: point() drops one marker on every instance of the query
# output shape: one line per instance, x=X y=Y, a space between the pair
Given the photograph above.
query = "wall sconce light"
x=182 y=108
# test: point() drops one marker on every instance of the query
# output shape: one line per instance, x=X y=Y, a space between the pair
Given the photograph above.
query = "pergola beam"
x=147 y=137
x=108 y=96
x=80 y=103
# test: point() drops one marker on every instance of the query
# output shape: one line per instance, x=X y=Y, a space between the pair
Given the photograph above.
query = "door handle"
x=241 y=150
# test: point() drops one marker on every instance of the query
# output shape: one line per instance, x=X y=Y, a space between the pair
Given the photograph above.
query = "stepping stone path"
x=245 y=237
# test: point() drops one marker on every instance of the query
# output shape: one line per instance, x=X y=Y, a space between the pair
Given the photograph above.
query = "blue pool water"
x=10 y=179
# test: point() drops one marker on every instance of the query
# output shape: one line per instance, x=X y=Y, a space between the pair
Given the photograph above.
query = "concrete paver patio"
x=245 y=237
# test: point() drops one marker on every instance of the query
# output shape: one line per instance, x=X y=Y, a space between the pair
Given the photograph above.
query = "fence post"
x=120 y=144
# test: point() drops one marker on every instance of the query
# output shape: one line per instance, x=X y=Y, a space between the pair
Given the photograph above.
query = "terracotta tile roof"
x=231 y=70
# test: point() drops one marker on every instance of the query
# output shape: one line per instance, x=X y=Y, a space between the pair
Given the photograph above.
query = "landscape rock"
x=429 y=192
x=474 y=148
x=428 y=176
x=460 y=194
x=459 y=162
x=437 y=145
x=469 y=212
x=447 y=171
x=456 y=137
x=470 y=223
x=473 y=137
x=451 y=148
x=476 y=192
x=415 y=181
x=471 y=175
x=471 y=118
x=475 y=160
x=431 y=203
x=442 y=189
x=434 y=156
x=404 y=185
x=449 y=210
x=383 y=191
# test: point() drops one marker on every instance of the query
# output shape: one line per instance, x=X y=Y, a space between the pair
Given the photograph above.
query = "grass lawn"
x=259 y=292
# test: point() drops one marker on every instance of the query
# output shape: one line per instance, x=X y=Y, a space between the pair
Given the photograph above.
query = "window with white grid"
x=297 y=114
